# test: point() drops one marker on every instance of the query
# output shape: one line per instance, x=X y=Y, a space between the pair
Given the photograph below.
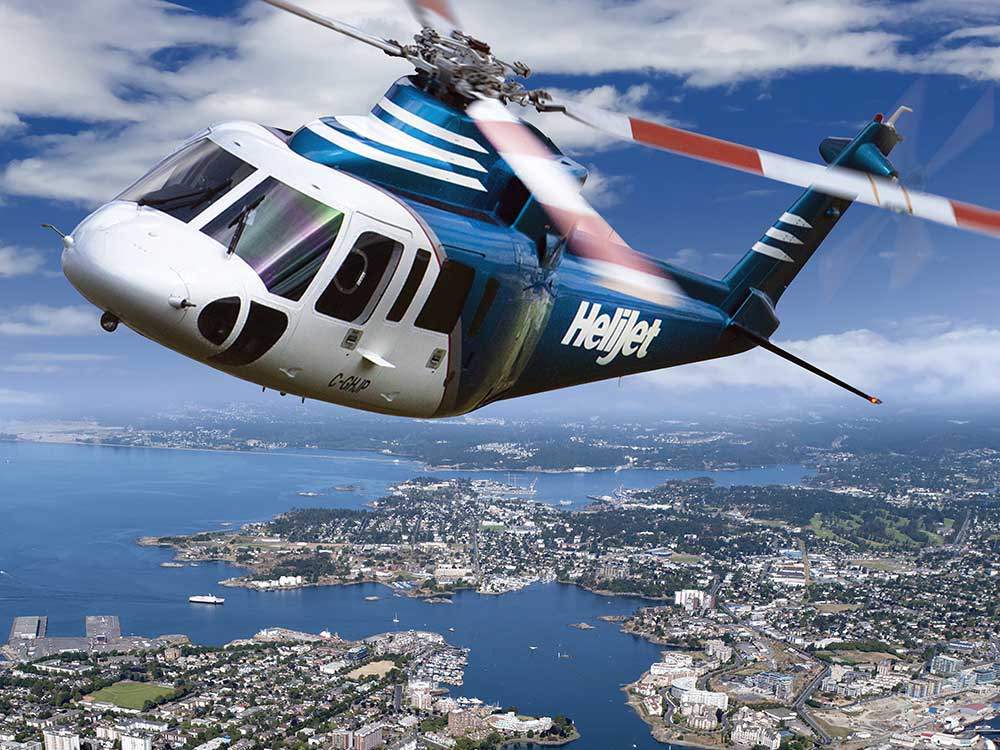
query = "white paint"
x=773 y=252
x=777 y=234
x=795 y=221
x=415 y=121
x=364 y=150
x=374 y=129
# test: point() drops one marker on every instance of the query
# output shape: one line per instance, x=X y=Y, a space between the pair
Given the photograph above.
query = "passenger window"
x=447 y=299
x=264 y=328
x=361 y=280
x=409 y=290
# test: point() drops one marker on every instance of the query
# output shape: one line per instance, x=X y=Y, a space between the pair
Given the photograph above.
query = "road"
x=799 y=706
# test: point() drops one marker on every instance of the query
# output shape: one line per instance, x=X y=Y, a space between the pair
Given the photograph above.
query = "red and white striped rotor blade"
x=616 y=264
x=436 y=14
x=837 y=181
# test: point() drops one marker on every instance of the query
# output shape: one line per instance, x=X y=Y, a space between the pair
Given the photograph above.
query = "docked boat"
x=216 y=600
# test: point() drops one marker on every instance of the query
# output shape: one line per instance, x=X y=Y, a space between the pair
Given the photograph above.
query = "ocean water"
x=70 y=517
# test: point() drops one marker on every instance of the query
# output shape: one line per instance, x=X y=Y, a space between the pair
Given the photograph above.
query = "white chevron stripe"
x=795 y=221
x=364 y=150
x=429 y=127
x=777 y=234
x=772 y=252
x=374 y=129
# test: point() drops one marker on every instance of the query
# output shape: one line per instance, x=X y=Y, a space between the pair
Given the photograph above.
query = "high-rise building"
x=693 y=599
x=341 y=739
x=944 y=665
x=368 y=737
x=136 y=741
x=57 y=739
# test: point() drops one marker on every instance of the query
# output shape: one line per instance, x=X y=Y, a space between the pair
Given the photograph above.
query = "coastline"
x=378 y=456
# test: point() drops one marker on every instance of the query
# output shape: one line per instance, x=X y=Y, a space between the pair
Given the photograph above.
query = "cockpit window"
x=282 y=233
x=190 y=181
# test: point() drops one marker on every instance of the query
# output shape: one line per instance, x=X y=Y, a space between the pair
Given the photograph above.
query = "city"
x=855 y=607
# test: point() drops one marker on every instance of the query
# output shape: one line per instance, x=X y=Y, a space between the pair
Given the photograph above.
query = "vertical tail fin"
x=776 y=259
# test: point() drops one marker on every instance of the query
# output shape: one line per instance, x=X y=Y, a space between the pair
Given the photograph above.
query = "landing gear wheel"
x=109 y=322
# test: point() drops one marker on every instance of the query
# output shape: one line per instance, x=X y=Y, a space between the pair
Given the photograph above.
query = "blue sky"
x=98 y=91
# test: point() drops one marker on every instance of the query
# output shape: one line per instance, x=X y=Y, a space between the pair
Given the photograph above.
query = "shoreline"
x=401 y=457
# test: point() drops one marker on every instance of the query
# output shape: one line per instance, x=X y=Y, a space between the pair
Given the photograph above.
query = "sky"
x=92 y=94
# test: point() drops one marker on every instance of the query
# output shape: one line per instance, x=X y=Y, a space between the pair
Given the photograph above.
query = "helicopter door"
x=358 y=334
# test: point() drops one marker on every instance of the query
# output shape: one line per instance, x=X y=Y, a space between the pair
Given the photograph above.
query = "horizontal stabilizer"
x=766 y=344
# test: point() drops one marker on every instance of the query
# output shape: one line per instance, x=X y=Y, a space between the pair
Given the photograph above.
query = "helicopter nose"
x=130 y=283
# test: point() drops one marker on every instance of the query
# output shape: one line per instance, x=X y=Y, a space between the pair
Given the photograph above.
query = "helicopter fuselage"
x=390 y=263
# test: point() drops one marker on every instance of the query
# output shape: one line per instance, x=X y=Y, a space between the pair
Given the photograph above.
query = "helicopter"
x=437 y=255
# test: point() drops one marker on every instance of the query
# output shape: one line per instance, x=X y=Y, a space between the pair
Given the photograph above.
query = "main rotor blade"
x=436 y=14
x=618 y=266
x=390 y=48
x=837 y=181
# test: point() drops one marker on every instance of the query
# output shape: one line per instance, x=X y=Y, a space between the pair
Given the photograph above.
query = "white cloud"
x=273 y=68
x=604 y=190
x=63 y=358
x=15 y=261
x=51 y=363
x=953 y=366
x=10 y=397
x=44 y=320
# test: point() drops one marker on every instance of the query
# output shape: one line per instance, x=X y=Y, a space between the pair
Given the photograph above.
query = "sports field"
x=130 y=694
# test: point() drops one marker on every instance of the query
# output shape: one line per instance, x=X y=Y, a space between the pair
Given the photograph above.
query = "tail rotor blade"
x=390 y=48
x=914 y=248
x=589 y=236
x=436 y=14
x=836 y=267
x=836 y=181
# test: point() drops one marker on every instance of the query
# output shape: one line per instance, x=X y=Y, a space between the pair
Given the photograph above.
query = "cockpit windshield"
x=191 y=180
x=283 y=234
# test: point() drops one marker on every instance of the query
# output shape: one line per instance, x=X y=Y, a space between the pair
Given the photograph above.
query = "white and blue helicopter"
x=436 y=255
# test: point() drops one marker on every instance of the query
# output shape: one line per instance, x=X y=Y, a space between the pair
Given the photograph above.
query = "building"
x=920 y=689
x=945 y=665
x=700 y=717
x=718 y=650
x=686 y=692
x=753 y=728
x=57 y=739
x=467 y=721
x=368 y=737
x=341 y=739
x=136 y=741
x=692 y=599
x=781 y=686
x=519 y=725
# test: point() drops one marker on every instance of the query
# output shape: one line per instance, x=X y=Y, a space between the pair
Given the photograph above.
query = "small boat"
x=532 y=648
x=372 y=598
x=395 y=618
x=565 y=503
x=451 y=630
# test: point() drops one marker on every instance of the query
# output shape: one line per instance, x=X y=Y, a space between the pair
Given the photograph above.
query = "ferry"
x=217 y=600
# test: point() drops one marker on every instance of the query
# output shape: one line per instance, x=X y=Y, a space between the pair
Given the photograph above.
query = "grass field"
x=130 y=694
x=378 y=668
